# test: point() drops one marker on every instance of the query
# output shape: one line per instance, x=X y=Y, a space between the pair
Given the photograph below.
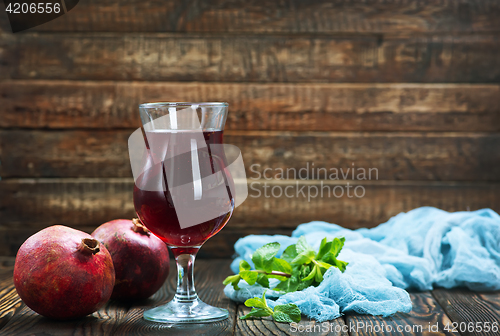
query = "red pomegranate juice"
x=155 y=206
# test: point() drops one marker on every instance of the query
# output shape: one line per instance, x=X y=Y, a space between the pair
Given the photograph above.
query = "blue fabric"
x=420 y=249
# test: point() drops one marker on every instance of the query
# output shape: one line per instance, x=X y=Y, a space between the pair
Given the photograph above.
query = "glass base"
x=186 y=312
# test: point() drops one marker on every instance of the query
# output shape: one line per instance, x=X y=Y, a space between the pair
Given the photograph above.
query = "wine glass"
x=183 y=192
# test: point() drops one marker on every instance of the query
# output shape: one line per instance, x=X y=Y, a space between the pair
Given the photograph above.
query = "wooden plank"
x=103 y=153
x=426 y=318
x=285 y=155
x=6 y=264
x=361 y=59
x=341 y=16
x=91 y=202
x=258 y=106
x=31 y=205
x=26 y=322
x=471 y=311
x=209 y=275
x=267 y=326
x=381 y=201
x=10 y=302
x=118 y=318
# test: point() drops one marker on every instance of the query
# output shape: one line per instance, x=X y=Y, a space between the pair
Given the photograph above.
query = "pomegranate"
x=63 y=273
x=140 y=258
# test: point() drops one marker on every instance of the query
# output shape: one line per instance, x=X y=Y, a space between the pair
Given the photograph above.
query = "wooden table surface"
x=432 y=312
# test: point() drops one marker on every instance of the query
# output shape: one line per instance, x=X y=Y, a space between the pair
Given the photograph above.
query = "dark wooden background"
x=411 y=88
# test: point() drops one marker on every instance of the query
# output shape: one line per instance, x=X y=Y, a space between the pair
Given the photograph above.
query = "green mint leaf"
x=300 y=261
x=256 y=313
x=283 y=286
x=323 y=264
x=283 y=313
x=302 y=245
x=291 y=310
x=263 y=280
x=289 y=285
x=264 y=298
x=255 y=302
x=324 y=248
x=289 y=254
x=311 y=275
x=233 y=280
x=319 y=275
x=329 y=258
x=337 y=245
x=280 y=265
x=263 y=256
x=304 y=270
x=341 y=265
x=249 y=276
x=262 y=308
x=304 y=257
x=282 y=317
x=245 y=266
x=304 y=284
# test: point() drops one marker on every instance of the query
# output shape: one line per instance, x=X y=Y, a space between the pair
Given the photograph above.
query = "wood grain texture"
x=6 y=265
x=118 y=318
x=256 y=106
x=267 y=326
x=88 y=202
x=122 y=318
x=27 y=322
x=470 y=309
x=341 y=16
x=426 y=318
x=176 y=57
x=30 y=205
x=10 y=302
x=209 y=275
x=382 y=156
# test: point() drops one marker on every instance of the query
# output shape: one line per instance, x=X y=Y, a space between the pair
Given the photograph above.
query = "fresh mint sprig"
x=266 y=266
x=287 y=313
x=299 y=267
x=309 y=267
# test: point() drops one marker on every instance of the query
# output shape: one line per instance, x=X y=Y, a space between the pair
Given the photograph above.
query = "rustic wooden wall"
x=411 y=88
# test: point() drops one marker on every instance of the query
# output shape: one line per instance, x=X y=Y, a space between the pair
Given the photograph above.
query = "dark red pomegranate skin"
x=140 y=258
x=63 y=273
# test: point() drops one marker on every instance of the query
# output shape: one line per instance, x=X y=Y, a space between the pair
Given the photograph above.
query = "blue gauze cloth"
x=420 y=249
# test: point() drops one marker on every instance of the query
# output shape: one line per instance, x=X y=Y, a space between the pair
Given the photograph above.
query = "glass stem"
x=185 y=292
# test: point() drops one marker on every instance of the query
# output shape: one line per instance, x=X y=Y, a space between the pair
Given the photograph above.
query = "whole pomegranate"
x=63 y=273
x=140 y=258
